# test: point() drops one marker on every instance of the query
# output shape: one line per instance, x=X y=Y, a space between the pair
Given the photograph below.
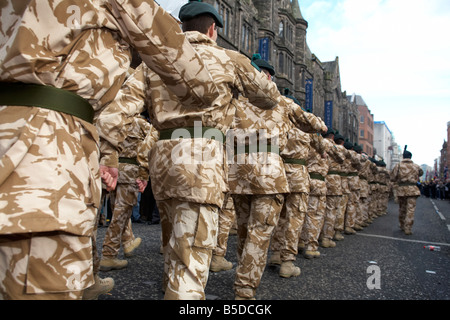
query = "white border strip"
x=400 y=239
x=437 y=210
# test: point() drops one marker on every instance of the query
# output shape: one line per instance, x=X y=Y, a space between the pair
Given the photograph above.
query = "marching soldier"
x=187 y=163
x=286 y=235
x=133 y=177
x=340 y=217
x=317 y=168
x=353 y=166
x=363 y=217
x=258 y=182
x=62 y=63
x=405 y=176
x=334 y=191
x=384 y=188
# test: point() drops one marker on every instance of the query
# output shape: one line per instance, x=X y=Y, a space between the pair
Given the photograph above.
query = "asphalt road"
x=377 y=263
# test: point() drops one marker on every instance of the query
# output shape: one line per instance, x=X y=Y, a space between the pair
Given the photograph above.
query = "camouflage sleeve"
x=164 y=48
x=305 y=121
x=420 y=171
x=355 y=160
x=394 y=173
x=335 y=153
x=152 y=135
x=129 y=102
x=260 y=91
x=317 y=142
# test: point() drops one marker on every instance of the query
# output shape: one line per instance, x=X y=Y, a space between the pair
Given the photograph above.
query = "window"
x=246 y=37
x=281 y=62
x=225 y=12
x=281 y=29
x=362 y=119
x=361 y=133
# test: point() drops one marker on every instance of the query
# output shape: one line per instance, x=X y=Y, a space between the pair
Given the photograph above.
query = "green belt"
x=295 y=161
x=373 y=182
x=352 y=174
x=213 y=133
x=407 y=184
x=129 y=160
x=362 y=177
x=343 y=174
x=48 y=97
x=267 y=148
x=316 y=176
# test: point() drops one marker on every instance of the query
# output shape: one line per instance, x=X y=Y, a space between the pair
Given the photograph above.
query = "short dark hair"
x=200 y=23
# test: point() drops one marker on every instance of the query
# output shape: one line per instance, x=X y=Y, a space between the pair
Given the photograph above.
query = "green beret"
x=262 y=64
x=196 y=7
x=348 y=145
x=338 y=136
x=329 y=132
x=358 y=148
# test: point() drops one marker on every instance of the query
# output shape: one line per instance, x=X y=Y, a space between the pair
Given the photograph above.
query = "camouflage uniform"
x=286 y=235
x=317 y=168
x=353 y=166
x=49 y=179
x=258 y=182
x=340 y=215
x=334 y=191
x=188 y=174
x=405 y=176
x=126 y=194
x=384 y=190
x=363 y=217
x=373 y=190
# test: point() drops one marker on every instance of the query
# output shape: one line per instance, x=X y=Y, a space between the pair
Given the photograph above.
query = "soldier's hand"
x=142 y=184
x=109 y=177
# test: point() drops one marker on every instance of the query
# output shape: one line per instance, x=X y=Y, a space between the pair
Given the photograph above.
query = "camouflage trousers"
x=382 y=203
x=313 y=222
x=189 y=235
x=363 y=215
x=53 y=265
x=286 y=234
x=340 y=218
x=333 y=203
x=373 y=205
x=257 y=216
x=407 y=207
x=119 y=230
x=352 y=208
x=227 y=217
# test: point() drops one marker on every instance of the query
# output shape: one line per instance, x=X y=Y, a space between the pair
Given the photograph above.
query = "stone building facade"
x=277 y=31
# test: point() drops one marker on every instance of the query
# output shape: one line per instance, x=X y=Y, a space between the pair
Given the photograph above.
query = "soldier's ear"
x=211 y=30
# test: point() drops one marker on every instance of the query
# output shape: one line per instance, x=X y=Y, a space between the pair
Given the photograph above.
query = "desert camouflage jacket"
x=405 y=176
x=336 y=158
x=83 y=47
x=193 y=167
x=264 y=172
x=364 y=174
x=141 y=137
x=352 y=165
x=318 y=164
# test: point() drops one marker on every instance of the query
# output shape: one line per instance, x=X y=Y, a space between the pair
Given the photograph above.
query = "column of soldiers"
x=297 y=184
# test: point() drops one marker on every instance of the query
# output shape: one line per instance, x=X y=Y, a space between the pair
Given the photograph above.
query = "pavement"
x=377 y=263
